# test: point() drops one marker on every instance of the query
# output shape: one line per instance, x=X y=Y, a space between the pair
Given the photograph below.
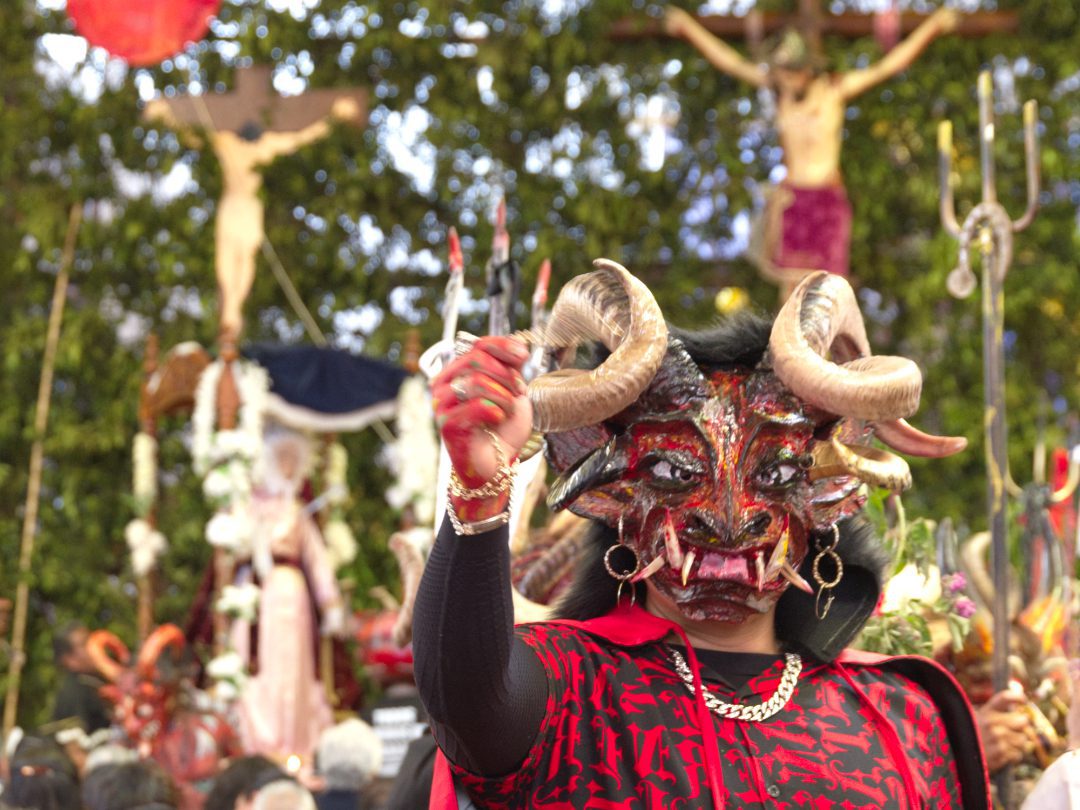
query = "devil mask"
x=718 y=473
x=144 y=699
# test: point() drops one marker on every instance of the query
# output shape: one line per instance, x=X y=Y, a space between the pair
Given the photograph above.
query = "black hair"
x=250 y=131
x=129 y=786
x=244 y=776
x=43 y=777
x=737 y=342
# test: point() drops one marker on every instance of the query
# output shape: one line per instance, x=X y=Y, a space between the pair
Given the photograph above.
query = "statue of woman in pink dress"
x=284 y=709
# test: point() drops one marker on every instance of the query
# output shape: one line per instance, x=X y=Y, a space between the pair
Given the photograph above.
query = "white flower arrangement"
x=227 y=458
x=340 y=542
x=146 y=545
x=231 y=529
x=910 y=585
x=210 y=447
x=144 y=472
x=414 y=457
x=230 y=676
x=227 y=666
x=239 y=601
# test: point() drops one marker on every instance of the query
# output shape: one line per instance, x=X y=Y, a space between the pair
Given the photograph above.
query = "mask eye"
x=674 y=472
x=779 y=474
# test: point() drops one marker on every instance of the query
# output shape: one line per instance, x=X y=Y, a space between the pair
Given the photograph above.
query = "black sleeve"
x=485 y=689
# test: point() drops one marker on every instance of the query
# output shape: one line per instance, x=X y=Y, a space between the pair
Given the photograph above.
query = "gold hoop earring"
x=825 y=588
x=625 y=576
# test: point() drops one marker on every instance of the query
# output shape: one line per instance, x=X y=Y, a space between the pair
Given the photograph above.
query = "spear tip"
x=457 y=262
x=543 y=278
x=1031 y=112
x=945 y=136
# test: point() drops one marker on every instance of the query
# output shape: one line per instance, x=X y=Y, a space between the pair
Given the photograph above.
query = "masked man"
x=720 y=469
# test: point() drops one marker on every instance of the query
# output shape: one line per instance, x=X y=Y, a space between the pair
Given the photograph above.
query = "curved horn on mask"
x=611 y=306
x=108 y=653
x=903 y=438
x=168 y=635
x=878 y=468
x=822 y=317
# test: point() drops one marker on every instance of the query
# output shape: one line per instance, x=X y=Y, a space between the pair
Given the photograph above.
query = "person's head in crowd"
x=129 y=786
x=108 y=754
x=349 y=755
x=43 y=777
x=284 y=794
x=235 y=787
x=69 y=649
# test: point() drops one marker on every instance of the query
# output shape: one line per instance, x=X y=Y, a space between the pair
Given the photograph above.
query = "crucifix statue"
x=248 y=129
x=808 y=217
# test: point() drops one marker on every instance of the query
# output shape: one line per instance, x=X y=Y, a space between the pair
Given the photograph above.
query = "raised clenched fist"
x=483 y=388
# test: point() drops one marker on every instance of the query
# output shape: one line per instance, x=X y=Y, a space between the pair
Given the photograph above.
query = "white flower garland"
x=239 y=601
x=144 y=466
x=209 y=447
x=227 y=461
x=230 y=676
x=414 y=457
x=146 y=545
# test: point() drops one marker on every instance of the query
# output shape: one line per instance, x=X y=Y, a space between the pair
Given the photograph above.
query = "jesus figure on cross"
x=808 y=218
x=244 y=147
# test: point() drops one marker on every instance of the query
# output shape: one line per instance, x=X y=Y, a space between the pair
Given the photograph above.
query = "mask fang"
x=650 y=569
x=794 y=577
x=778 y=558
x=688 y=562
x=671 y=542
x=759 y=566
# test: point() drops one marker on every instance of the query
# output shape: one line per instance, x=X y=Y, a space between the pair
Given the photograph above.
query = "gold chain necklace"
x=740 y=711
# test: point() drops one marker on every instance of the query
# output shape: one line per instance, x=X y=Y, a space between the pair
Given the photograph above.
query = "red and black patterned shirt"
x=621 y=731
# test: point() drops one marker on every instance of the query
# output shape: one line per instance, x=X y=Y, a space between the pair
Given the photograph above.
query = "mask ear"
x=835 y=495
x=569 y=449
x=584 y=488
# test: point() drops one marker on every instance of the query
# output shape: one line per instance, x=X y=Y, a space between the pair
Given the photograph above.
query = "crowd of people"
x=81 y=760
x=43 y=776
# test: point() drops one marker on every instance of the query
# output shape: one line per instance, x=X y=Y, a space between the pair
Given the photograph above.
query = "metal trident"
x=990 y=229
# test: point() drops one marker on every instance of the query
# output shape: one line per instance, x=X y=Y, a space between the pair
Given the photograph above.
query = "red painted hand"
x=483 y=389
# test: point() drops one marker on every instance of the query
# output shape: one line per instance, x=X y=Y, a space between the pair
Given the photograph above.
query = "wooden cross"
x=248 y=128
x=814 y=24
x=254 y=101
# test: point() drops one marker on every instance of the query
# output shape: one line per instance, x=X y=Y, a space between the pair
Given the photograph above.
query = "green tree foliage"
x=497 y=98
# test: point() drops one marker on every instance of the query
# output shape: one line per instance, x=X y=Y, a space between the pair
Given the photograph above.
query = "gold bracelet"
x=501 y=482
